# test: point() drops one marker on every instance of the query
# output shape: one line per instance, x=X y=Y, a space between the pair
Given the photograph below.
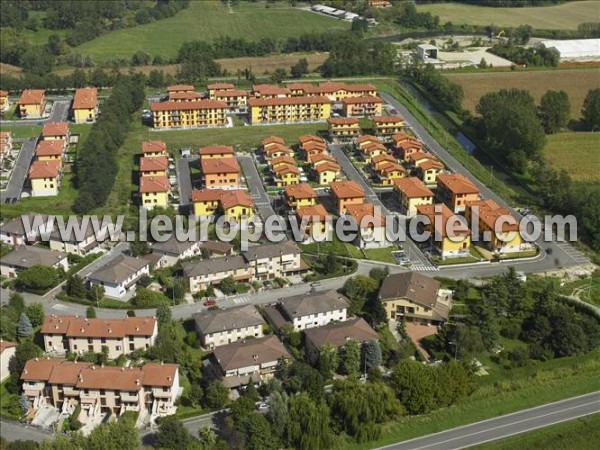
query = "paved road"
x=506 y=425
x=419 y=260
x=563 y=254
x=59 y=113
x=15 y=431
x=256 y=186
x=19 y=174
x=184 y=178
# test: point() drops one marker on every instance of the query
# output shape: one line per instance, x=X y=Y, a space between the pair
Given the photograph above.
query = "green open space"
x=207 y=20
x=587 y=289
x=579 y=433
x=566 y=16
x=577 y=153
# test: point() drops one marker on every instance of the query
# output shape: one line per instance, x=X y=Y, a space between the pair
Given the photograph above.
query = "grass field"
x=206 y=20
x=587 y=289
x=583 y=158
x=566 y=16
x=576 y=83
x=579 y=433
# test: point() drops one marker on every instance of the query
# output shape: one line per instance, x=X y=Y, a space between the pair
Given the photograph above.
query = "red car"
x=210 y=302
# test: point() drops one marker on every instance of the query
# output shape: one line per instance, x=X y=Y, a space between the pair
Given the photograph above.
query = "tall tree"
x=24 y=327
x=172 y=434
x=554 y=111
x=35 y=313
x=414 y=386
x=371 y=354
x=591 y=110
x=308 y=428
x=351 y=358
x=163 y=315
x=329 y=359
x=278 y=413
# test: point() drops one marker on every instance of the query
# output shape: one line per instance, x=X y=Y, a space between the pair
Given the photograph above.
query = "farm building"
x=584 y=49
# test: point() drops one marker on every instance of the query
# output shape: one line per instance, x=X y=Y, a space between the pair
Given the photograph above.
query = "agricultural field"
x=563 y=17
x=578 y=433
x=576 y=83
x=206 y=21
x=583 y=162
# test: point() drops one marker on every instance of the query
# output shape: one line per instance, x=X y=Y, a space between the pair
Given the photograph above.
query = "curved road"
x=506 y=425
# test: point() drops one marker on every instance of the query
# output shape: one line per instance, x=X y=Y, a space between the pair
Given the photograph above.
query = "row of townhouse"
x=46 y=170
x=79 y=335
x=189 y=114
x=281 y=161
x=152 y=388
x=258 y=263
x=288 y=110
x=324 y=167
x=154 y=185
x=167 y=253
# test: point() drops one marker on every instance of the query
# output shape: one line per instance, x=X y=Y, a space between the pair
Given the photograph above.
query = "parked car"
x=209 y=302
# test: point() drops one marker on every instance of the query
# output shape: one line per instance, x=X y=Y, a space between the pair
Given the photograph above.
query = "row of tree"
x=96 y=163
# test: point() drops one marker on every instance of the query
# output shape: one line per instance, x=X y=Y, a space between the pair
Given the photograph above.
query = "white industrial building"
x=581 y=49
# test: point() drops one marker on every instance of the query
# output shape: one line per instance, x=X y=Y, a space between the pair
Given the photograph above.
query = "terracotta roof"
x=118 y=269
x=359 y=87
x=50 y=148
x=237 y=197
x=445 y=214
x=270 y=89
x=400 y=137
x=219 y=165
x=312 y=212
x=299 y=86
x=153 y=163
x=288 y=101
x=285 y=168
x=301 y=190
x=367 y=138
x=420 y=155
x=231 y=93
x=318 y=157
x=113 y=378
x=319 y=146
x=361 y=99
x=490 y=212
x=411 y=285
x=55 y=324
x=209 y=322
x=44 y=169
x=216 y=150
x=55 y=129
x=154 y=184
x=224 y=86
x=385 y=157
x=430 y=164
x=114 y=328
x=216 y=246
x=3 y=93
x=153 y=147
x=206 y=195
x=40 y=369
x=342 y=121
x=408 y=144
x=32 y=97
x=457 y=183
x=159 y=374
x=251 y=352
x=358 y=212
x=185 y=95
x=412 y=187
x=180 y=106
x=283 y=159
x=6 y=344
x=67 y=372
x=388 y=119
x=272 y=140
x=347 y=189
x=180 y=87
x=373 y=147
x=338 y=334
x=391 y=167
x=26 y=256
x=327 y=166
x=305 y=138
x=85 y=98
x=275 y=147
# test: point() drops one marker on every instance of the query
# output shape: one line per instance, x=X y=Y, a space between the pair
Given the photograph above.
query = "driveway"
x=13 y=190
x=184 y=178
x=256 y=186
x=416 y=332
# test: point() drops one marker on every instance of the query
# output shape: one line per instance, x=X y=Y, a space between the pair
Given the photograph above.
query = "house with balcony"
x=180 y=88
x=299 y=195
x=154 y=191
x=236 y=204
x=85 y=105
x=25 y=229
x=216 y=151
x=412 y=192
x=154 y=148
x=235 y=99
x=449 y=234
x=404 y=145
x=120 y=275
x=154 y=166
x=370 y=223
x=222 y=327
x=45 y=177
x=319 y=224
x=363 y=106
x=343 y=129
x=214 y=88
x=79 y=334
x=275 y=260
x=286 y=175
x=413 y=297
x=275 y=110
x=190 y=114
x=32 y=103
x=497 y=223
x=428 y=170
x=270 y=91
x=456 y=191
x=387 y=126
x=50 y=150
x=25 y=257
x=345 y=193
x=220 y=173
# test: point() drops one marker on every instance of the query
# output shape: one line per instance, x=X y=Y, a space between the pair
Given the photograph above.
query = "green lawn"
x=583 y=161
x=380 y=254
x=23 y=131
x=7 y=403
x=206 y=20
x=576 y=434
x=566 y=16
x=587 y=289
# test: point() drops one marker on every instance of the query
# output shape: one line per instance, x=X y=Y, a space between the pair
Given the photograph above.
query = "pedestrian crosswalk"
x=59 y=306
x=420 y=267
x=241 y=300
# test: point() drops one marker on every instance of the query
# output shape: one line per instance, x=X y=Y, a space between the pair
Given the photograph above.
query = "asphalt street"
x=15 y=431
x=19 y=173
x=506 y=425
x=184 y=177
x=59 y=113
x=256 y=186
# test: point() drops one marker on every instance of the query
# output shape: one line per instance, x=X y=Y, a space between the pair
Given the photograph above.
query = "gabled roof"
x=153 y=163
x=338 y=334
x=119 y=269
x=250 y=352
x=16 y=226
x=490 y=212
x=185 y=96
x=430 y=164
x=154 y=184
x=50 y=148
x=153 y=147
x=271 y=250
x=314 y=145
x=373 y=147
x=237 y=197
x=327 y=166
x=420 y=155
x=288 y=101
x=275 y=147
x=342 y=121
x=401 y=137
x=320 y=157
x=285 y=168
x=367 y=138
x=32 y=97
x=359 y=212
x=272 y=140
x=285 y=159
x=445 y=214
x=305 y=138
x=220 y=86
x=26 y=256
x=219 y=165
x=209 y=322
x=361 y=99
x=216 y=150
x=216 y=265
x=44 y=169
x=411 y=285
x=180 y=87
x=388 y=119
x=76 y=326
x=187 y=106
x=313 y=212
x=85 y=98
x=231 y=93
x=313 y=303
x=380 y=158
x=270 y=89
x=412 y=187
x=55 y=129
x=300 y=190
x=457 y=183
x=216 y=246
x=173 y=246
x=347 y=189
x=391 y=167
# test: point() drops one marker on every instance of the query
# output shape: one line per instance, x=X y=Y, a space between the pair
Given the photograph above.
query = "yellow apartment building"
x=343 y=128
x=429 y=170
x=281 y=161
x=154 y=191
x=154 y=148
x=193 y=114
x=450 y=234
x=50 y=150
x=363 y=106
x=268 y=91
x=387 y=126
x=185 y=96
x=369 y=151
x=412 y=192
x=381 y=160
x=327 y=172
x=236 y=99
x=216 y=151
x=346 y=193
x=387 y=173
x=285 y=175
x=45 y=178
x=221 y=173
x=276 y=150
x=319 y=227
x=55 y=131
x=85 y=105
x=235 y=205
x=288 y=109
x=31 y=103
x=218 y=87
x=499 y=223
x=154 y=166
x=456 y=190
x=300 y=195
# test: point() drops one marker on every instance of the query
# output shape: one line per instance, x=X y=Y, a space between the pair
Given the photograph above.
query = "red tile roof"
x=270 y=89
x=431 y=164
x=315 y=213
x=273 y=140
x=314 y=145
x=327 y=167
x=412 y=187
x=32 y=97
x=347 y=189
x=388 y=119
x=44 y=169
x=216 y=150
x=180 y=87
x=185 y=96
x=6 y=344
x=359 y=212
x=219 y=165
x=285 y=168
x=227 y=197
x=50 y=148
x=458 y=226
x=153 y=163
x=153 y=147
x=85 y=98
x=187 y=106
x=381 y=158
x=318 y=157
x=305 y=138
x=276 y=147
x=287 y=101
x=220 y=86
x=154 y=184
x=301 y=190
x=231 y=93
x=55 y=129
x=457 y=183
x=283 y=159
x=361 y=99
x=3 y=93
x=367 y=138
x=342 y=121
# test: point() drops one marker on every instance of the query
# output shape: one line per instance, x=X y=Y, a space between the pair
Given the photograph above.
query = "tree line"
x=96 y=164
